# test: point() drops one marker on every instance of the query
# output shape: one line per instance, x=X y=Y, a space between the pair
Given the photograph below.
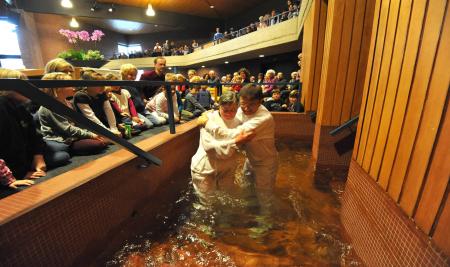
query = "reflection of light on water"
x=302 y=228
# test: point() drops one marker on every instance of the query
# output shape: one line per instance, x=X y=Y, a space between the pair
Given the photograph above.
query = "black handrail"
x=27 y=89
x=346 y=124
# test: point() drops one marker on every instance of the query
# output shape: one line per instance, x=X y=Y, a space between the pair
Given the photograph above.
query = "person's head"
x=270 y=73
x=112 y=77
x=279 y=75
x=244 y=73
x=293 y=97
x=160 y=65
x=294 y=75
x=92 y=75
x=228 y=78
x=59 y=65
x=217 y=29
x=260 y=76
x=191 y=73
x=228 y=105
x=250 y=98
x=128 y=72
x=212 y=74
x=273 y=13
x=252 y=79
x=235 y=74
x=172 y=77
x=276 y=95
x=12 y=74
x=58 y=93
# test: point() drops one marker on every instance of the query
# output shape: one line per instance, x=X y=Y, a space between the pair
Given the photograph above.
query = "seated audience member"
x=269 y=78
x=158 y=105
x=166 y=48
x=158 y=74
x=192 y=108
x=281 y=79
x=8 y=179
x=274 y=103
x=294 y=79
x=191 y=73
x=294 y=103
x=58 y=65
x=238 y=84
x=180 y=90
x=260 y=78
x=22 y=147
x=293 y=9
x=262 y=23
x=204 y=98
x=93 y=103
x=186 y=50
x=194 y=45
x=124 y=108
x=64 y=139
x=157 y=50
x=129 y=73
x=273 y=18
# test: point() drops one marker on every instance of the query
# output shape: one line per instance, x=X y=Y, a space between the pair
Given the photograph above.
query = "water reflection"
x=302 y=228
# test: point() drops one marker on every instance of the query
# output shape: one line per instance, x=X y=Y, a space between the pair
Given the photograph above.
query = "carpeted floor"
x=80 y=160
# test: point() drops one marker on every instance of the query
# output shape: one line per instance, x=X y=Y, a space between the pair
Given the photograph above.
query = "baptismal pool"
x=303 y=228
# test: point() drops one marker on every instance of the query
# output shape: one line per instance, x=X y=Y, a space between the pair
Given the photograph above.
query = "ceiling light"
x=94 y=7
x=66 y=3
x=111 y=9
x=150 y=12
x=156 y=25
x=74 y=23
x=203 y=66
x=169 y=68
x=226 y=62
x=261 y=55
x=211 y=6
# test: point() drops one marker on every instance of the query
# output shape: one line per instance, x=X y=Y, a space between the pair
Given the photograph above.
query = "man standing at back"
x=157 y=74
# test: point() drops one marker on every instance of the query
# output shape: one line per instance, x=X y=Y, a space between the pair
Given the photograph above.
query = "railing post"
x=170 y=108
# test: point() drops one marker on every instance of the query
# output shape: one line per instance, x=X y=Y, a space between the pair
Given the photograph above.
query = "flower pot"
x=88 y=63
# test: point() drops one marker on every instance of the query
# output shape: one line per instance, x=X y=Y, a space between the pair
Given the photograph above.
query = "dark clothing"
x=274 y=105
x=204 y=98
x=137 y=99
x=149 y=91
x=95 y=103
x=191 y=104
x=296 y=107
x=19 y=140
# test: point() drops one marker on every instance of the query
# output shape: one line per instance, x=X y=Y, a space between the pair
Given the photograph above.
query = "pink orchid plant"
x=74 y=36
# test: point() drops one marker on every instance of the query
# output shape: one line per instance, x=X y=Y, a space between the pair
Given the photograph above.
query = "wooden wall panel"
x=392 y=86
x=404 y=128
x=406 y=76
x=382 y=82
x=429 y=124
x=437 y=179
x=319 y=59
x=427 y=52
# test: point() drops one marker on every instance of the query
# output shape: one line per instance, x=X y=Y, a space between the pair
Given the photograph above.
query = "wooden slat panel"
x=308 y=56
x=330 y=60
x=412 y=46
x=368 y=74
x=374 y=79
x=431 y=33
x=363 y=57
x=429 y=124
x=437 y=178
x=382 y=83
x=391 y=92
x=342 y=67
x=440 y=236
x=319 y=58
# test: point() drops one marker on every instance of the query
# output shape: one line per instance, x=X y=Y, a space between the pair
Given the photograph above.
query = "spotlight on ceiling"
x=156 y=25
x=211 y=6
x=226 y=62
x=150 y=11
x=203 y=66
x=261 y=55
x=66 y=3
x=111 y=9
x=74 y=23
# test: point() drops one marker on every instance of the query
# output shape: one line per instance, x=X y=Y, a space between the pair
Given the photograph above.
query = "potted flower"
x=80 y=57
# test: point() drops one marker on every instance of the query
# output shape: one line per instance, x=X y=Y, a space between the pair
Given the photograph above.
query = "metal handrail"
x=346 y=124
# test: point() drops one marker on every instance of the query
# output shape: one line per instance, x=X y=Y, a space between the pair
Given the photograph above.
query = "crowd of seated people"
x=161 y=49
x=35 y=140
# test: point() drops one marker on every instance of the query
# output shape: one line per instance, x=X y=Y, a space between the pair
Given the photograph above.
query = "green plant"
x=93 y=55
x=73 y=37
x=72 y=54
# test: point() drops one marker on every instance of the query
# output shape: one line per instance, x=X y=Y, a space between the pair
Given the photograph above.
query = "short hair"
x=251 y=91
x=10 y=74
x=170 y=77
x=271 y=71
x=192 y=71
x=293 y=94
x=112 y=77
x=57 y=65
x=127 y=68
x=180 y=77
x=228 y=97
x=244 y=70
x=54 y=76
x=156 y=59
x=91 y=75
x=276 y=91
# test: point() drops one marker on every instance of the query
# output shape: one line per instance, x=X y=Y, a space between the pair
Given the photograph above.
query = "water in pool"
x=303 y=228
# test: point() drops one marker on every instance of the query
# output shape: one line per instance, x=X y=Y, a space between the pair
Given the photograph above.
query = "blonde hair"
x=10 y=74
x=126 y=69
x=180 y=78
x=54 y=76
x=192 y=71
x=91 y=75
x=196 y=79
x=170 y=77
x=57 y=65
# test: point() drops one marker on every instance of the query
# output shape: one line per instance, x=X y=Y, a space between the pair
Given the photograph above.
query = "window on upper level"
x=10 y=56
